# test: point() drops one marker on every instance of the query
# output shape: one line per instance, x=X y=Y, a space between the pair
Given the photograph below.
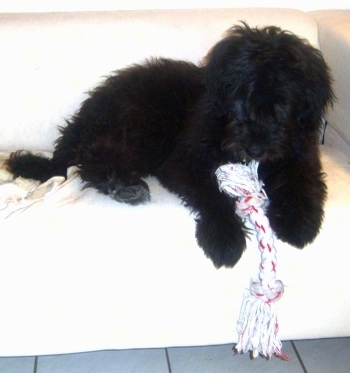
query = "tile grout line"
x=299 y=357
x=168 y=360
x=35 y=364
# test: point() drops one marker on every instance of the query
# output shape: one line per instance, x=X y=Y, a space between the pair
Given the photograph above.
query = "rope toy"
x=257 y=325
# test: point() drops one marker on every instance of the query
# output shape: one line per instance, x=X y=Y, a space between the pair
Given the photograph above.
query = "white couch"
x=80 y=272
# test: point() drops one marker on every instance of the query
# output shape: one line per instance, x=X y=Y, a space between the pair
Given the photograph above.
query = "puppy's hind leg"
x=120 y=186
x=132 y=190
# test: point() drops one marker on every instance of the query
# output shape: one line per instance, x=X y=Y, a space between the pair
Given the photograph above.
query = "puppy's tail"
x=35 y=166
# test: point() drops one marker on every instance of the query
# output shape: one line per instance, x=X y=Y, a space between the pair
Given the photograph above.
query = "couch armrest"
x=334 y=38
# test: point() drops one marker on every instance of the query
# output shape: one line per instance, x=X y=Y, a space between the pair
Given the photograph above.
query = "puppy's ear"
x=222 y=67
x=317 y=92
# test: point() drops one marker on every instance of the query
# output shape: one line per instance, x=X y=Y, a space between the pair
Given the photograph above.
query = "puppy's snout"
x=255 y=151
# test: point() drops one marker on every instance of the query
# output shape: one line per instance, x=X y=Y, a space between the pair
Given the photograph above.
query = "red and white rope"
x=257 y=325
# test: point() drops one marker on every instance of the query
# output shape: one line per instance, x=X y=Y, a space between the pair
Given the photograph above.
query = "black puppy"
x=260 y=94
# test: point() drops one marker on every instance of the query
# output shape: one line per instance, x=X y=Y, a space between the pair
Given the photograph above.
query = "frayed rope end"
x=257 y=327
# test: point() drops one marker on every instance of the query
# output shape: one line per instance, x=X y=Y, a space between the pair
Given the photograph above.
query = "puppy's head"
x=270 y=88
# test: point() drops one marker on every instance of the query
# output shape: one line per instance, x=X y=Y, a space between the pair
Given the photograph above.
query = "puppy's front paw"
x=297 y=227
x=222 y=242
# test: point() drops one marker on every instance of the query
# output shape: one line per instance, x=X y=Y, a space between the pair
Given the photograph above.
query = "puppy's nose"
x=255 y=151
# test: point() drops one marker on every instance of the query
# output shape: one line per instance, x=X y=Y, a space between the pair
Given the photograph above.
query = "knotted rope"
x=257 y=324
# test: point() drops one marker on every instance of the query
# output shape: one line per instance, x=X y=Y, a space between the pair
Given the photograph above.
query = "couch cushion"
x=79 y=271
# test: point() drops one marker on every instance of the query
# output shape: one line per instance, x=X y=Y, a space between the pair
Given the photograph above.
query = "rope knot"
x=250 y=204
x=239 y=180
x=268 y=294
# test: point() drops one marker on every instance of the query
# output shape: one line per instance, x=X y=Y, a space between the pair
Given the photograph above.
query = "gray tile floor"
x=312 y=356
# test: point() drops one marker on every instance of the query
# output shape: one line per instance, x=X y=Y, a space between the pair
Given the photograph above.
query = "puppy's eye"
x=282 y=112
x=245 y=161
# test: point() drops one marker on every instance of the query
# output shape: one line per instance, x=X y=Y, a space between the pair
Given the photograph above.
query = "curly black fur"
x=259 y=94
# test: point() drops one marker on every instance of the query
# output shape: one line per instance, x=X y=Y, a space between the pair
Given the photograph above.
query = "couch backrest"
x=48 y=61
